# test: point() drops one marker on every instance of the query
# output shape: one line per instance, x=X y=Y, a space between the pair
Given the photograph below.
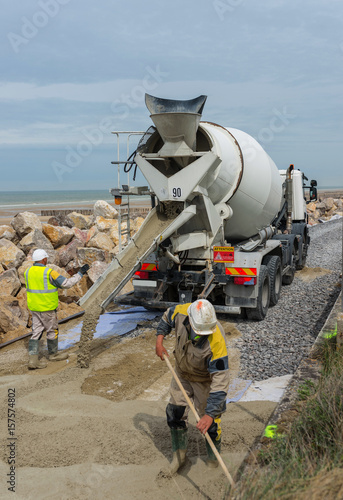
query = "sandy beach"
x=6 y=214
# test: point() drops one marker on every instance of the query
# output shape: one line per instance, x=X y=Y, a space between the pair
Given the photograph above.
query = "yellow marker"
x=270 y=431
x=330 y=335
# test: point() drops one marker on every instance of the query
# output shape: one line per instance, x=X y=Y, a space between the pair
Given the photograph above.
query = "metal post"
x=120 y=219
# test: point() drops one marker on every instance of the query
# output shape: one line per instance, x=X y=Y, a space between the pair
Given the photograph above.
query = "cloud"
x=88 y=68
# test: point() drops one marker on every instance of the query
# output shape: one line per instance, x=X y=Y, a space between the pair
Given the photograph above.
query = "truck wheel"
x=263 y=298
x=273 y=263
x=288 y=278
x=304 y=253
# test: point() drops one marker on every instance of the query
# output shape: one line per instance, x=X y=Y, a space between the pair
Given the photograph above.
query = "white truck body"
x=249 y=231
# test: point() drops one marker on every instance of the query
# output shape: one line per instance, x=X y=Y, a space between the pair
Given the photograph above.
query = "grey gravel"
x=275 y=346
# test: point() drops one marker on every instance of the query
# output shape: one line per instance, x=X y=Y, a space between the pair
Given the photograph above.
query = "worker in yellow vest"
x=42 y=285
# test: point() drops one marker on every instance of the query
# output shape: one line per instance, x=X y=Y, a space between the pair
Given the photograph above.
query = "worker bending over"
x=42 y=285
x=202 y=366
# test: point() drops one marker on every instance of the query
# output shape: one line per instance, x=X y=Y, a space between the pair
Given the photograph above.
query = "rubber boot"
x=179 y=439
x=53 y=354
x=34 y=362
x=212 y=461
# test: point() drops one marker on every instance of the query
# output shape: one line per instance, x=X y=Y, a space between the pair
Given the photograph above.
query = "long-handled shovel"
x=209 y=440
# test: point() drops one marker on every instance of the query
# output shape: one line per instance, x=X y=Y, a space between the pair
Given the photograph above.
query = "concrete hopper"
x=177 y=123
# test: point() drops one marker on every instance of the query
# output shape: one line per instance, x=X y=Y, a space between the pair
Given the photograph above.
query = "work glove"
x=84 y=269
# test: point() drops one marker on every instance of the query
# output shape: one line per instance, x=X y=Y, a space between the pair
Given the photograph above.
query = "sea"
x=18 y=199
x=12 y=202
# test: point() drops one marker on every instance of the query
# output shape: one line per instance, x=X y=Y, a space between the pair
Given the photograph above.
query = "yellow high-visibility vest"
x=41 y=294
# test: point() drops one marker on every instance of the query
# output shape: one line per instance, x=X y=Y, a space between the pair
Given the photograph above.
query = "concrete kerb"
x=308 y=369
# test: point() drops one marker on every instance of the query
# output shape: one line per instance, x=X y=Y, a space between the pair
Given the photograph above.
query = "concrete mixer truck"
x=236 y=227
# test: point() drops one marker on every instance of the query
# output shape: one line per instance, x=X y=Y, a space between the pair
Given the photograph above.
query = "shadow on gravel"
x=326 y=311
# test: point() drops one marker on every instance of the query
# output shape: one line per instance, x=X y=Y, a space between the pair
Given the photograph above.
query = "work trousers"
x=44 y=320
x=177 y=410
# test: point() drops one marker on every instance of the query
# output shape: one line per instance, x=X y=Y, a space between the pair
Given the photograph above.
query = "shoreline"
x=7 y=214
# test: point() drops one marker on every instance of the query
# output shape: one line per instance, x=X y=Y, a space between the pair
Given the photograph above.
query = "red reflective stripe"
x=148 y=267
x=241 y=271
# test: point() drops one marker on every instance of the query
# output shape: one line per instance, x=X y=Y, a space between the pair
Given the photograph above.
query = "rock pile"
x=324 y=209
x=71 y=241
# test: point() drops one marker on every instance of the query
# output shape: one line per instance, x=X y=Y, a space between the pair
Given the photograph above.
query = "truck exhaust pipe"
x=289 y=198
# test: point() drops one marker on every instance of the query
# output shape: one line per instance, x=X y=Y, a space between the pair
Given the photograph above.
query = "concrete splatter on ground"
x=309 y=274
x=89 y=433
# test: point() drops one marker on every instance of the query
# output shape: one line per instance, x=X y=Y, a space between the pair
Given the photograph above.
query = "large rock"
x=7 y=232
x=104 y=209
x=331 y=212
x=96 y=270
x=36 y=239
x=68 y=252
x=329 y=203
x=136 y=224
x=92 y=232
x=73 y=294
x=81 y=221
x=22 y=298
x=90 y=255
x=80 y=234
x=321 y=206
x=114 y=235
x=25 y=222
x=10 y=255
x=311 y=207
x=9 y=282
x=13 y=334
x=64 y=310
x=60 y=220
x=11 y=314
x=21 y=270
x=102 y=241
x=72 y=267
x=58 y=235
x=105 y=224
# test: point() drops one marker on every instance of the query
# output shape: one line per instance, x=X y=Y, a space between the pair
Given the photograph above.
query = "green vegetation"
x=306 y=461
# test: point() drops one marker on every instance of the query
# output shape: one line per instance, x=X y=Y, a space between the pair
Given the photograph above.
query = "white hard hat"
x=202 y=317
x=39 y=254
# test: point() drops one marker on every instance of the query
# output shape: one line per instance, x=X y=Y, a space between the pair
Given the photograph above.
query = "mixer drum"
x=247 y=180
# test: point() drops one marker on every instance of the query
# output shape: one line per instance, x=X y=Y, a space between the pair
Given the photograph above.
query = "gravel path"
x=275 y=346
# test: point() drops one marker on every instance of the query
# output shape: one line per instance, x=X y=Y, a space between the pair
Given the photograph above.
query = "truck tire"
x=273 y=262
x=288 y=278
x=304 y=253
x=259 y=312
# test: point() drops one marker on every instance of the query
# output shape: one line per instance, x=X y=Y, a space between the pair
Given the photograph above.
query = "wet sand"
x=101 y=433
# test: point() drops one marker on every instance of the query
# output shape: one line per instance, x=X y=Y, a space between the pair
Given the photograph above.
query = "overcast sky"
x=75 y=70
